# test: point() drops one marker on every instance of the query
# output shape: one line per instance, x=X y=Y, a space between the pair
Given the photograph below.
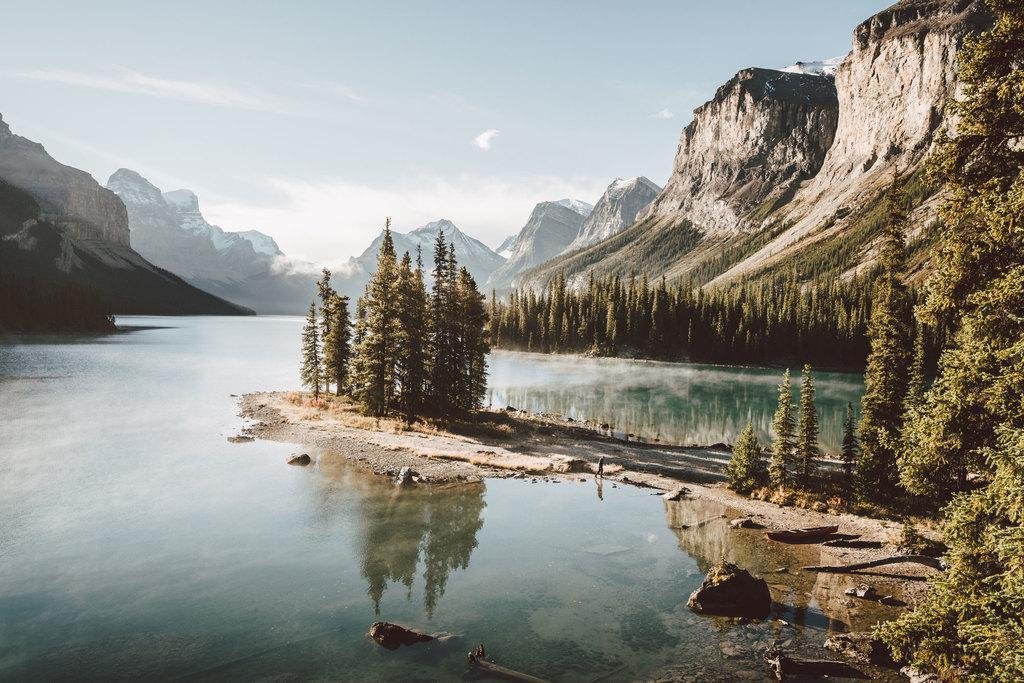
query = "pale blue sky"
x=313 y=120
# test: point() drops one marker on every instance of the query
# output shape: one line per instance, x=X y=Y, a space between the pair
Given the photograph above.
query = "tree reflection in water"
x=402 y=525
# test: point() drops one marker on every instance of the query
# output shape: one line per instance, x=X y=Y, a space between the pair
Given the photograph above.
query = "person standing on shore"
x=600 y=466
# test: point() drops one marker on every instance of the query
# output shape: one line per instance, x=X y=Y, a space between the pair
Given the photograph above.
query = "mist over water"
x=136 y=542
x=678 y=403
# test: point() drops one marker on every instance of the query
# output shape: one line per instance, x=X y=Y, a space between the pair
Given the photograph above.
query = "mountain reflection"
x=401 y=526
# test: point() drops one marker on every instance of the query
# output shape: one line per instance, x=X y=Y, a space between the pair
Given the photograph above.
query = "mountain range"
x=58 y=225
x=780 y=171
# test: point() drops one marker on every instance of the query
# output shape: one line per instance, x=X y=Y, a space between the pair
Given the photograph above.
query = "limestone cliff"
x=552 y=226
x=616 y=210
x=67 y=197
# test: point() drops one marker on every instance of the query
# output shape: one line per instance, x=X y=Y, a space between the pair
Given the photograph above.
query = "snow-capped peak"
x=824 y=67
x=578 y=205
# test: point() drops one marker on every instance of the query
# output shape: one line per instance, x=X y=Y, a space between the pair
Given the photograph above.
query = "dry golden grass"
x=342 y=409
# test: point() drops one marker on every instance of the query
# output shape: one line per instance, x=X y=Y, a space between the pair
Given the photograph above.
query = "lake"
x=137 y=542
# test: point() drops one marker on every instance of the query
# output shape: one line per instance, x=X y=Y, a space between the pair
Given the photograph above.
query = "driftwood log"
x=895 y=559
x=782 y=665
x=478 y=658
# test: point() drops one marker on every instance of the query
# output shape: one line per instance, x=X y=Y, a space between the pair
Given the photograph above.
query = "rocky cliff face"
x=762 y=133
x=893 y=93
x=615 y=210
x=67 y=197
x=552 y=226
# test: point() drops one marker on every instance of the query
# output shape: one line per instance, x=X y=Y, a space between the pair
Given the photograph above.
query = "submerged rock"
x=302 y=459
x=745 y=523
x=731 y=592
x=676 y=493
x=393 y=636
x=241 y=438
x=861 y=647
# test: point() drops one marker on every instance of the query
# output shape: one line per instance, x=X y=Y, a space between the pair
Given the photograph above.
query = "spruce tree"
x=310 y=370
x=746 y=469
x=440 y=330
x=337 y=343
x=782 y=426
x=807 y=437
x=849 y=452
x=472 y=325
x=886 y=377
x=411 y=352
x=326 y=294
x=970 y=624
x=377 y=332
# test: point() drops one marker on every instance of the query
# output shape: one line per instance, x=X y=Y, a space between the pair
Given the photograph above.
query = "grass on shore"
x=481 y=424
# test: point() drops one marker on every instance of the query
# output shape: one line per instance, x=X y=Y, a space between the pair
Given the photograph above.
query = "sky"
x=312 y=121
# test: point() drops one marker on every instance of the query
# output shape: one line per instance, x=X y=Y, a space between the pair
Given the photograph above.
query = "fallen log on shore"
x=478 y=659
x=782 y=665
x=895 y=559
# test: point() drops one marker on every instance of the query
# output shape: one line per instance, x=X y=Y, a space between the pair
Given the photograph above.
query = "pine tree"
x=326 y=294
x=970 y=624
x=807 y=437
x=411 y=348
x=377 y=332
x=309 y=372
x=337 y=343
x=472 y=318
x=440 y=330
x=849 y=452
x=746 y=469
x=886 y=377
x=782 y=426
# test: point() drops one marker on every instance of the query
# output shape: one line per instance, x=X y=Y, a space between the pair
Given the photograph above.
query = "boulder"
x=405 y=477
x=745 y=523
x=566 y=464
x=302 y=459
x=676 y=493
x=393 y=636
x=732 y=592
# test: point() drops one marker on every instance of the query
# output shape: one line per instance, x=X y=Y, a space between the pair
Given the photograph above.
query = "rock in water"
x=300 y=459
x=393 y=636
x=404 y=477
x=676 y=494
x=745 y=523
x=862 y=647
x=732 y=592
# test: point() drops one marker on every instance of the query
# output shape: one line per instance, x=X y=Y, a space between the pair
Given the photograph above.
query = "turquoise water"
x=137 y=542
x=678 y=403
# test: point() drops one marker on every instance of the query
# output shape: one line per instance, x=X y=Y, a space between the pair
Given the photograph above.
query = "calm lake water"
x=677 y=403
x=136 y=542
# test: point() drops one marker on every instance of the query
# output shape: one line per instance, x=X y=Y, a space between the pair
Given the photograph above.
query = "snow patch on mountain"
x=578 y=205
x=823 y=67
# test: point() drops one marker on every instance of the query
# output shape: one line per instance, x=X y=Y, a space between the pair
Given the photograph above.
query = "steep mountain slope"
x=245 y=267
x=894 y=89
x=552 y=226
x=615 y=210
x=762 y=134
x=59 y=226
x=784 y=169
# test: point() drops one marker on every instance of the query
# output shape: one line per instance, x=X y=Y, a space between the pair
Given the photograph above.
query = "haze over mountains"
x=781 y=169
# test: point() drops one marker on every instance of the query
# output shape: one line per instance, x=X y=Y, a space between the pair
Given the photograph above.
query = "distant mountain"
x=60 y=227
x=615 y=210
x=479 y=259
x=552 y=226
x=505 y=248
x=245 y=267
x=824 y=67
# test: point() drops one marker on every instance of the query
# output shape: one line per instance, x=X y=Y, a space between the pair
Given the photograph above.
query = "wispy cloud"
x=134 y=82
x=335 y=89
x=326 y=221
x=483 y=141
x=664 y=115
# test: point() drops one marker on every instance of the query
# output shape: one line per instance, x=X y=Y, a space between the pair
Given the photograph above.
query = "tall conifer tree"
x=807 y=436
x=970 y=625
x=886 y=377
x=746 y=469
x=310 y=370
x=337 y=344
x=782 y=443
